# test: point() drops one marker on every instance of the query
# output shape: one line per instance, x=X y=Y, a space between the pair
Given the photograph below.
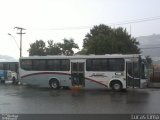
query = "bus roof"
x=8 y=61
x=83 y=56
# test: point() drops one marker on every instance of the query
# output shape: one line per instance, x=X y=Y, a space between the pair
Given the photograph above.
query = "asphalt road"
x=30 y=100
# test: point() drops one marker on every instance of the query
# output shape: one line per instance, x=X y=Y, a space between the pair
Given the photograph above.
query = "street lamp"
x=14 y=40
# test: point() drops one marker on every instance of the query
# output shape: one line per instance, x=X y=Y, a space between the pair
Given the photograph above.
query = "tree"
x=103 y=39
x=149 y=61
x=53 y=49
x=67 y=46
x=37 y=48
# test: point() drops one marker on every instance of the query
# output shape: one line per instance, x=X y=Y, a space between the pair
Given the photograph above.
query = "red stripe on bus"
x=61 y=74
x=96 y=82
x=45 y=73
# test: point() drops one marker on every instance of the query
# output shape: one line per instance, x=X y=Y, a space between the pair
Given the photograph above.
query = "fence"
x=154 y=74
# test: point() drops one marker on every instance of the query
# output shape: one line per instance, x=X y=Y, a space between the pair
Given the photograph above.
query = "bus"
x=8 y=71
x=113 y=71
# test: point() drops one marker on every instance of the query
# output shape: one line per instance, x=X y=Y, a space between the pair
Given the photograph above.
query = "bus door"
x=77 y=73
x=132 y=74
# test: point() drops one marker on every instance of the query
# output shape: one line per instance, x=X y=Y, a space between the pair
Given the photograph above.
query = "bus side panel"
x=42 y=80
x=93 y=84
x=102 y=79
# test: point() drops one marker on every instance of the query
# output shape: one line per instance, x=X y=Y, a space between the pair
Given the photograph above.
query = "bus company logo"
x=98 y=75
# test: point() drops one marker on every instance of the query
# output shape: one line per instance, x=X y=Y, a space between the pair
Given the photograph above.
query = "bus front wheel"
x=54 y=84
x=116 y=86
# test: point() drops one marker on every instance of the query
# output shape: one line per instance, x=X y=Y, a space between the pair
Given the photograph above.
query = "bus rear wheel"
x=116 y=86
x=54 y=84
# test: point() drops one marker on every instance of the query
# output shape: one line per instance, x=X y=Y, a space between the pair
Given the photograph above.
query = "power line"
x=150 y=48
x=136 y=20
x=112 y=24
x=66 y=28
x=149 y=44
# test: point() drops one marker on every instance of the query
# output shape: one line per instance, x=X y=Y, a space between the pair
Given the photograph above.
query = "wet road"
x=23 y=99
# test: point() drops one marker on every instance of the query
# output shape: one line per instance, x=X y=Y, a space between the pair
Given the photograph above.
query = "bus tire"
x=54 y=84
x=116 y=86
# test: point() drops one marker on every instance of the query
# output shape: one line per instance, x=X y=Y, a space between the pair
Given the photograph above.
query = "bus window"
x=115 y=64
x=39 y=65
x=65 y=65
x=96 y=65
x=111 y=64
x=58 y=65
x=26 y=64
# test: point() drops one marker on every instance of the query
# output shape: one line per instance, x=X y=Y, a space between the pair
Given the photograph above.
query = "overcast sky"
x=41 y=18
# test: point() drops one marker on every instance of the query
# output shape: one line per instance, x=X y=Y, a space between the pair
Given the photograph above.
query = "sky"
x=55 y=20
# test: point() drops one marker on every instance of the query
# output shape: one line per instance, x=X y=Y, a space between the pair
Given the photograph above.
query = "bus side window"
x=26 y=64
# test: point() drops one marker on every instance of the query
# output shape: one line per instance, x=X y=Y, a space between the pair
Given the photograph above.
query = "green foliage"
x=149 y=61
x=37 y=48
x=103 y=39
x=65 y=48
x=81 y=52
x=53 y=48
x=68 y=46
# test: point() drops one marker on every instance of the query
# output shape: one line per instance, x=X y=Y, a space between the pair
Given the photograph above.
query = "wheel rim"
x=117 y=86
x=54 y=85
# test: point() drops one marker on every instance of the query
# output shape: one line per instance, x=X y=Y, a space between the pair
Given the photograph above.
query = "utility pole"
x=20 y=33
x=130 y=29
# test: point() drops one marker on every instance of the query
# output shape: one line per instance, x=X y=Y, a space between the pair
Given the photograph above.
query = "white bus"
x=115 y=71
